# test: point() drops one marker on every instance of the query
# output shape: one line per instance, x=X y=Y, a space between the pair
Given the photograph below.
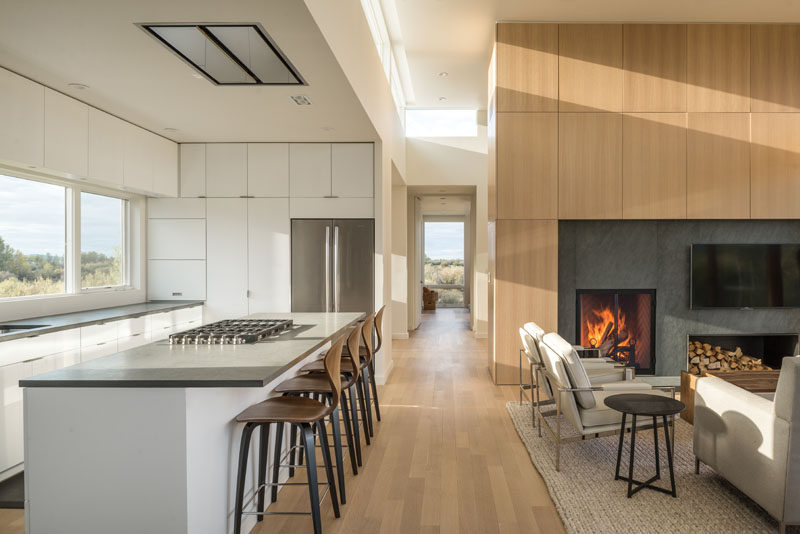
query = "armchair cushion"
x=577 y=374
x=602 y=414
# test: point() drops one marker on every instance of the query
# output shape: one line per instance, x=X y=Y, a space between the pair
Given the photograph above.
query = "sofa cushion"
x=577 y=374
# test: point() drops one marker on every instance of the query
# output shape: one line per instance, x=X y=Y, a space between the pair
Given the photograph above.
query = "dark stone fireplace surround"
x=655 y=255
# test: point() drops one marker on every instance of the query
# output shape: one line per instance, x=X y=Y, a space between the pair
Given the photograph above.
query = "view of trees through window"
x=444 y=261
x=32 y=237
x=101 y=240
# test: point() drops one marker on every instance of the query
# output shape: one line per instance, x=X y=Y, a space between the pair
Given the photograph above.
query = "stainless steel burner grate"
x=231 y=332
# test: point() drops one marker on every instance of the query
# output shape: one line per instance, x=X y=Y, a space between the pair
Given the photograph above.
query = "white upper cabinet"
x=176 y=239
x=268 y=169
x=21 y=120
x=138 y=166
x=193 y=170
x=269 y=255
x=106 y=148
x=310 y=170
x=66 y=134
x=226 y=169
x=352 y=169
x=164 y=154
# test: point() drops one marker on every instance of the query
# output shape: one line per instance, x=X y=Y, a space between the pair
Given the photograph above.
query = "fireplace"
x=620 y=323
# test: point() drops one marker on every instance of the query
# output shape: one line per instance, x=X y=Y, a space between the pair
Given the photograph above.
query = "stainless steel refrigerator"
x=333 y=265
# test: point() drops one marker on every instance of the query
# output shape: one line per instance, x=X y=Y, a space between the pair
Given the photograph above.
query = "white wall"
x=459 y=161
x=399 y=263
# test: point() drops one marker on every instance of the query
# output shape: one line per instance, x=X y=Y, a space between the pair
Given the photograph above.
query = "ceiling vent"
x=227 y=54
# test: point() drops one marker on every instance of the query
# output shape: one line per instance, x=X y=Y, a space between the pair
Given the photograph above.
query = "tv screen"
x=745 y=276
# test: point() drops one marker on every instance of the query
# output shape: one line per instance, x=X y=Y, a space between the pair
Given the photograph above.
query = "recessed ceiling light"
x=198 y=76
x=442 y=198
x=301 y=100
x=443 y=74
x=227 y=53
x=78 y=86
x=442 y=99
x=169 y=130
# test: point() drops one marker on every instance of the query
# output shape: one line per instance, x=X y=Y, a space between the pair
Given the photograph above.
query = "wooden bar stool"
x=379 y=336
x=305 y=414
x=317 y=384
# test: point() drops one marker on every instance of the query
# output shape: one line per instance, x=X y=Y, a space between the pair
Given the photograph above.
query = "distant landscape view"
x=446 y=272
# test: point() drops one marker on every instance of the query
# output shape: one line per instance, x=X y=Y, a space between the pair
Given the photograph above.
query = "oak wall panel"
x=718 y=67
x=590 y=166
x=775 y=166
x=654 y=166
x=527 y=165
x=654 y=67
x=718 y=166
x=527 y=67
x=775 y=67
x=590 y=67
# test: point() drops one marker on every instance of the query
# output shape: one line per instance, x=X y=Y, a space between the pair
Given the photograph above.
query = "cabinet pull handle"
x=177 y=293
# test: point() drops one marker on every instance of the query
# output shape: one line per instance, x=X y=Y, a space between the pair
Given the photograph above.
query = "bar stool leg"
x=348 y=430
x=367 y=400
x=292 y=455
x=313 y=486
x=337 y=449
x=326 y=457
x=244 y=447
x=351 y=394
x=364 y=420
x=276 y=461
x=263 y=452
x=374 y=389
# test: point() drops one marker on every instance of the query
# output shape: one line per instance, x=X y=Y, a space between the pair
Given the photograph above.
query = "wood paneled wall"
x=629 y=121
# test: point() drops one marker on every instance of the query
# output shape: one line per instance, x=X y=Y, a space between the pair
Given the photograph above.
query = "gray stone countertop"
x=66 y=321
x=160 y=364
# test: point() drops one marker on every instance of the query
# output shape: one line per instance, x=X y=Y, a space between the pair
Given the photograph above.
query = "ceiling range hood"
x=227 y=53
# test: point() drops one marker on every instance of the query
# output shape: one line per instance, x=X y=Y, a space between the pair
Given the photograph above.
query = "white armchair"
x=752 y=441
x=578 y=399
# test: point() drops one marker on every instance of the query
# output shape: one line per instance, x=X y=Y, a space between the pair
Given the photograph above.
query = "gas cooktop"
x=231 y=332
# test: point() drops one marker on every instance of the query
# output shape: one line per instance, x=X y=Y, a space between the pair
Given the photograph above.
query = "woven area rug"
x=589 y=500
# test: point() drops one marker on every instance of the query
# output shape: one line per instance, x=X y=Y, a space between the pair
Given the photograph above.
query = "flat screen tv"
x=745 y=276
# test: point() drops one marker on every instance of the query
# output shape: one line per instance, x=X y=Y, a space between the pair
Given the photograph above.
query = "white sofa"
x=752 y=441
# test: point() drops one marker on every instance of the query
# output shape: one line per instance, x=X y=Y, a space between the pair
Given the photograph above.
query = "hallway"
x=446 y=457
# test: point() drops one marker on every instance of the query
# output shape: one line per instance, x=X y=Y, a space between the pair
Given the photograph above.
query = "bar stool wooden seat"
x=305 y=414
x=349 y=365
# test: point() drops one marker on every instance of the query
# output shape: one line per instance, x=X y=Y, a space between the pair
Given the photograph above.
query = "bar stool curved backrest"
x=352 y=348
x=366 y=336
x=333 y=367
x=379 y=328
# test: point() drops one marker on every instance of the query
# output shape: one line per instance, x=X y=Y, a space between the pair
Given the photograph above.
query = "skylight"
x=441 y=123
x=228 y=54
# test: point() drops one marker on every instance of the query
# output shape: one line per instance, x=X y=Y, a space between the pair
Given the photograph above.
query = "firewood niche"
x=739 y=353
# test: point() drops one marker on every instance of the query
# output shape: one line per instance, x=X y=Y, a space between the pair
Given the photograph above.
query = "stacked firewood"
x=704 y=356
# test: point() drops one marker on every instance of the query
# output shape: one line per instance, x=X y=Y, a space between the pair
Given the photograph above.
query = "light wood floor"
x=445 y=458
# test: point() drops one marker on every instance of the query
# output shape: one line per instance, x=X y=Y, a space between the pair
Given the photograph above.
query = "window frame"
x=72 y=235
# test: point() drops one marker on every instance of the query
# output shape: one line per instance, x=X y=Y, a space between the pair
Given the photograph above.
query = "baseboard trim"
x=382 y=378
x=481 y=335
x=399 y=335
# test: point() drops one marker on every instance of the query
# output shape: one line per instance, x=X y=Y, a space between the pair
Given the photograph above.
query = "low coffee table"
x=655 y=406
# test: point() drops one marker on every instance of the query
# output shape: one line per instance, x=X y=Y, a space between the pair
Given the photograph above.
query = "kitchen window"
x=58 y=239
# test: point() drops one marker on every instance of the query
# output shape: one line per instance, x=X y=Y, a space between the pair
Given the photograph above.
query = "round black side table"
x=655 y=406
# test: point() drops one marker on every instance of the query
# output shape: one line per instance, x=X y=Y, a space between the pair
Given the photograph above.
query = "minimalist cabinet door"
x=165 y=166
x=226 y=169
x=352 y=169
x=176 y=208
x=11 y=446
x=268 y=169
x=193 y=170
x=21 y=119
x=98 y=351
x=176 y=239
x=176 y=279
x=310 y=170
x=66 y=134
x=226 y=227
x=137 y=163
x=106 y=147
x=269 y=255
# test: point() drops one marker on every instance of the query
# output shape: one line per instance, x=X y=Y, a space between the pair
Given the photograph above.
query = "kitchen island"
x=144 y=440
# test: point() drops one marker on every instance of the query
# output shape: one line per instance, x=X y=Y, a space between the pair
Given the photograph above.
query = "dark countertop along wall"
x=655 y=255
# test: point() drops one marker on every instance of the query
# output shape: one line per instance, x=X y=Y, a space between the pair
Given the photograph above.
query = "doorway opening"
x=444 y=263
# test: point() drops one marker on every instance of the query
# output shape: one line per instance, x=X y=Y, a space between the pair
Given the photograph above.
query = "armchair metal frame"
x=556 y=434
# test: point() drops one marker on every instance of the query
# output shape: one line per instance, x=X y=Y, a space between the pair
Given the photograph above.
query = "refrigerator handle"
x=336 y=280
x=327 y=268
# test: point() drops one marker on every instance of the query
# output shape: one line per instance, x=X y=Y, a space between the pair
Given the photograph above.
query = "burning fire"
x=600 y=330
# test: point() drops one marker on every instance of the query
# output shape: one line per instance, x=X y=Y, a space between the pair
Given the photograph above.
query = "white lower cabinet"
x=131 y=342
x=92 y=352
x=11 y=444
